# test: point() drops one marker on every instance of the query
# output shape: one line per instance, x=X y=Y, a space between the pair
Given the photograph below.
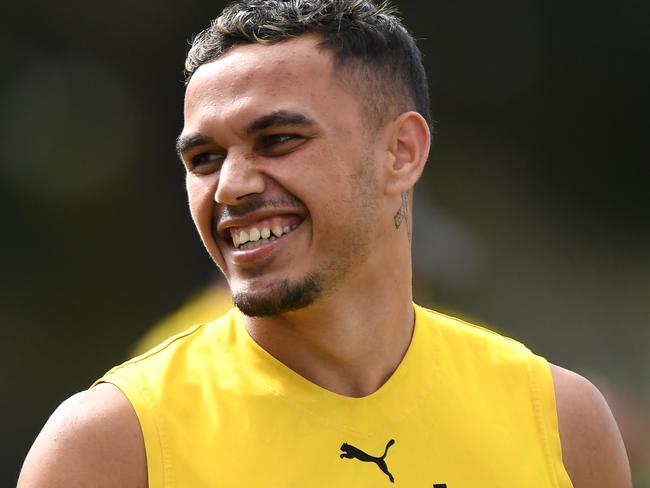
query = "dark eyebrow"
x=279 y=117
x=186 y=142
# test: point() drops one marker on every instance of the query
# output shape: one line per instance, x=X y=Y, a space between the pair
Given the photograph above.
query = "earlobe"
x=410 y=145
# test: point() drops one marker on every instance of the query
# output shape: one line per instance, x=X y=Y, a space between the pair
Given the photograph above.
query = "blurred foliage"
x=534 y=209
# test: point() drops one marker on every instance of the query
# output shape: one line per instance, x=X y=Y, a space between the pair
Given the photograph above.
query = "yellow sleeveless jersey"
x=466 y=408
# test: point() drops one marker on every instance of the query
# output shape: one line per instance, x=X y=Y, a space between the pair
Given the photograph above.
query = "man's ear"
x=409 y=147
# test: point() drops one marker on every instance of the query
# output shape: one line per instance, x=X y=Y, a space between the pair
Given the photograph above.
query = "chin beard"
x=279 y=298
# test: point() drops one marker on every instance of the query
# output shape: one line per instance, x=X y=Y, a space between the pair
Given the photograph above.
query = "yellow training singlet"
x=467 y=408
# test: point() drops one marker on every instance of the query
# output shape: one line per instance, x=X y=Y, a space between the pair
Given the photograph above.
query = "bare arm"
x=92 y=440
x=592 y=447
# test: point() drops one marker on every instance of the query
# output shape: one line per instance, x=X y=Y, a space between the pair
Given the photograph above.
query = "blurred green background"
x=532 y=218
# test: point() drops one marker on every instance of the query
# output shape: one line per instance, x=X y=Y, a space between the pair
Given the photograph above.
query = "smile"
x=262 y=233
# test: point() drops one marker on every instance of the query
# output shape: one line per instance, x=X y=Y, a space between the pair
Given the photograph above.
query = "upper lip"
x=251 y=218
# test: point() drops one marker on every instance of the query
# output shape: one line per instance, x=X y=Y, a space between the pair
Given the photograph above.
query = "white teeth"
x=255 y=238
x=251 y=245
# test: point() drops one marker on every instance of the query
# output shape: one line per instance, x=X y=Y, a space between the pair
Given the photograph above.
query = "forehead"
x=257 y=78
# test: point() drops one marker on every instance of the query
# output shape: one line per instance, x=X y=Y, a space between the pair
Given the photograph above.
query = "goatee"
x=279 y=298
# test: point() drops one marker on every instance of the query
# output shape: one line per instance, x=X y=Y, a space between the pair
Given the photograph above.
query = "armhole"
x=151 y=432
x=543 y=393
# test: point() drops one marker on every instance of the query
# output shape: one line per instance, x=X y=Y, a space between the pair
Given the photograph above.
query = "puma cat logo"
x=352 y=452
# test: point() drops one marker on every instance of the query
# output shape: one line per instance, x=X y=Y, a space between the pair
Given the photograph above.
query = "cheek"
x=200 y=196
x=327 y=188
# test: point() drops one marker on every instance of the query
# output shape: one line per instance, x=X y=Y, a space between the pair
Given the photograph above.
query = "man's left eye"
x=278 y=139
x=279 y=144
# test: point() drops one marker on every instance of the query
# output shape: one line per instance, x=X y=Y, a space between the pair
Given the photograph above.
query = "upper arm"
x=592 y=448
x=92 y=440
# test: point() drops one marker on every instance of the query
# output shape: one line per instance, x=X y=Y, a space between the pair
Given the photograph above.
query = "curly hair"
x=372 y=51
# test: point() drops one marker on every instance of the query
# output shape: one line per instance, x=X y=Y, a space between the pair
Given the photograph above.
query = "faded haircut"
x=373 y=53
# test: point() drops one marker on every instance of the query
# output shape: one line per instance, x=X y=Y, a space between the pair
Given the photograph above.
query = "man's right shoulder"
x=92 y=439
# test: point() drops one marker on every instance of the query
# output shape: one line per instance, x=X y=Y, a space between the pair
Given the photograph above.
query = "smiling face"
x=282 y=175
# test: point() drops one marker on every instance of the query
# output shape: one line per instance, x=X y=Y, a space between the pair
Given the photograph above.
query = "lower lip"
x=251 y=255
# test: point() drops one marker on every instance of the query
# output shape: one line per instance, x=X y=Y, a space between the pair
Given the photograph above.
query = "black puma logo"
x=352 y=452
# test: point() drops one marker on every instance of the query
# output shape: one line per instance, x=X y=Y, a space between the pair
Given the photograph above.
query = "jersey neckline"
x=406 y=382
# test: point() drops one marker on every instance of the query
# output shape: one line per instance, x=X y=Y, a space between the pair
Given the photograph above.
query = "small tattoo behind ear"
x=402 y=215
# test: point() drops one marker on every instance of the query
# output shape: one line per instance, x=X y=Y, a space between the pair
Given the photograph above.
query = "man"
x=306 y=129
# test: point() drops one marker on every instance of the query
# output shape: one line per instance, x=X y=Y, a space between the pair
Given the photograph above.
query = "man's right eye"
x=205 y=163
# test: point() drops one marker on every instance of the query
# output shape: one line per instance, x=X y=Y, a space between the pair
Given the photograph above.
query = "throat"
x=353 y=363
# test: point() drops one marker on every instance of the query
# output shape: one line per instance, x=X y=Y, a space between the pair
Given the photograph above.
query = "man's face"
x=281 y=176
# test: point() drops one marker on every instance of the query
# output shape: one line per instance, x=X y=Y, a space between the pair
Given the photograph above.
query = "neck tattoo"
x=402 y=215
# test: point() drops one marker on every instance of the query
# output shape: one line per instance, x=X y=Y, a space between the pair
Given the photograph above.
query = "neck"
x=350 y=342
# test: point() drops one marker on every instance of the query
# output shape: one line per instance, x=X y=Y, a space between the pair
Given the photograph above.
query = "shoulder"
x=199 y=337
x=92 y=439
x=485 y=345
x=592 y=447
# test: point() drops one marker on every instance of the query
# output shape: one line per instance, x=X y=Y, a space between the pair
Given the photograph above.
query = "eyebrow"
x=278 y=118
x=186 y=142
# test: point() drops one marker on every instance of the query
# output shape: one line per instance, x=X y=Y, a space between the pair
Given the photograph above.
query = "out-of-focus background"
x=532 y=218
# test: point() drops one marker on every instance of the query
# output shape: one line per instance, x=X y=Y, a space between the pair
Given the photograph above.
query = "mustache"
x=253 y=203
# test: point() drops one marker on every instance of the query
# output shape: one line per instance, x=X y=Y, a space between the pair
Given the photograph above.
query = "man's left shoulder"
x=485 y=343
x=592 y=448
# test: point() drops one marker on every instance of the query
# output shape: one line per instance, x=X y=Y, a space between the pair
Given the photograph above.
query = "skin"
x=343 y=186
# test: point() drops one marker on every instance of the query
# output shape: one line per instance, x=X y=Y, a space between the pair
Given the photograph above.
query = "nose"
x=238 y=177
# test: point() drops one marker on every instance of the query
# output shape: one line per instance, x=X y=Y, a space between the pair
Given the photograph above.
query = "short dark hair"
x=372 y=50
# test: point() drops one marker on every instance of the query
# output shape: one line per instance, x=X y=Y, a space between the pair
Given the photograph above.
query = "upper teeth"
x=255 y=234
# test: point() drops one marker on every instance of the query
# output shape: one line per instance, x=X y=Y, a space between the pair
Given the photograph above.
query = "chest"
x=429 y=441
